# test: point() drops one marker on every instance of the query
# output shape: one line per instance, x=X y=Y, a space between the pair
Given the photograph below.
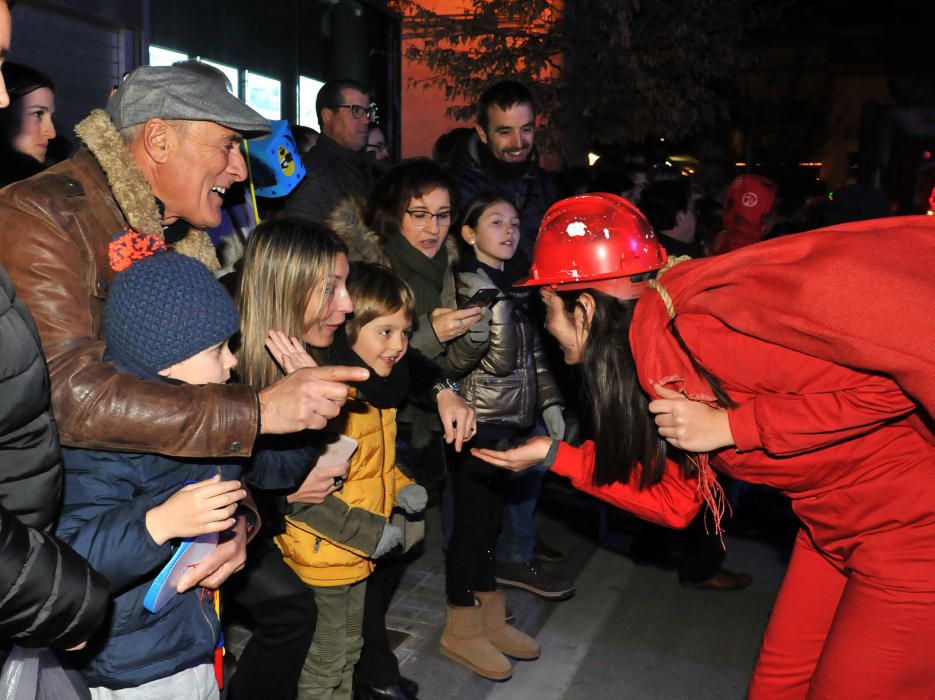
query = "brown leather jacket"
x=54 y=232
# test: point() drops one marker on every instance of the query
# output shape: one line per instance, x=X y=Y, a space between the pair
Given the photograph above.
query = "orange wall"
x=423 y=109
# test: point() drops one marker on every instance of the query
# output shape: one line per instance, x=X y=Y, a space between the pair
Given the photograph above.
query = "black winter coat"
x=532 y=192
x=48 y=594
x=333 y=173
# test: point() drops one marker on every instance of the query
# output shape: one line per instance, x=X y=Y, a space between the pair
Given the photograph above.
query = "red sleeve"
x=790 y=402
x=673 y=502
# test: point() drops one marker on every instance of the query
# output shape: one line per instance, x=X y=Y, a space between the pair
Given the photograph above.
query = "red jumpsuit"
x=856 y=612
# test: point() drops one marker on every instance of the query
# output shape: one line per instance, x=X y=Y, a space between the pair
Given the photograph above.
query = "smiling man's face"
x=206 y=161
x=510 y=133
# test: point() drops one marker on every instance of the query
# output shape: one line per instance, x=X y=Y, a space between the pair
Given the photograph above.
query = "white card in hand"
x=190 y=552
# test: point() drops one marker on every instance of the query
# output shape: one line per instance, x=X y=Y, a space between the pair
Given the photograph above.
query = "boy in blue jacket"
x=167 y=319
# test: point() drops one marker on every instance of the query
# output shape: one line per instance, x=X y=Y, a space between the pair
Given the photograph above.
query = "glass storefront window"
x=264 y=94
x=161 y=56
x=308 y=92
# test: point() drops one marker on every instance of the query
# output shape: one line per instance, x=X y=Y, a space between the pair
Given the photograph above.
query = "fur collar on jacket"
x=347 y=221
x=131 y=190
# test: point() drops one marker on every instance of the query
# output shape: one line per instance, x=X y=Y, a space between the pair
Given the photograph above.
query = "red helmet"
x=593 y=237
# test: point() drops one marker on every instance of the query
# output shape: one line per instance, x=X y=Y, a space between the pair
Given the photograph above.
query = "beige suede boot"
x=506 y=638
x=463 y=641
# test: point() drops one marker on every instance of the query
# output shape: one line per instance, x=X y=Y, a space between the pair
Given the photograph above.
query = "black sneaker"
x=533 y=577
x=544 y=552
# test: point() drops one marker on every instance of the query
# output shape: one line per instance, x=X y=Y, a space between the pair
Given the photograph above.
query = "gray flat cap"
x=174 y=92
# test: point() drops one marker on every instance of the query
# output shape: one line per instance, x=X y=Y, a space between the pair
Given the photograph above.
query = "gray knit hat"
x=164 y=309
x=176 y=92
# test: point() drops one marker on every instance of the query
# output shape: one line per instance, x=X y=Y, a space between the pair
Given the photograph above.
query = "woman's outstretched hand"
x=289 y=352
x=529 y=454
x=693 y=426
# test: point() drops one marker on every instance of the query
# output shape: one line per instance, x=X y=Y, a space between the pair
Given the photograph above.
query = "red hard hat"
x=593 y=237
x=749 y=200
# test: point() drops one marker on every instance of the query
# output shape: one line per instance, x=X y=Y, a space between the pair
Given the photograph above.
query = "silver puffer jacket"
x=513 y=382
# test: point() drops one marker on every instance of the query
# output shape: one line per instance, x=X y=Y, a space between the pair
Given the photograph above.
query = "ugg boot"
x=506 y=638
x=463 y=641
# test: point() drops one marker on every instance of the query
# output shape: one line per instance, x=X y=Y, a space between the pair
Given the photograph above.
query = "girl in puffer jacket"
x=510 y=386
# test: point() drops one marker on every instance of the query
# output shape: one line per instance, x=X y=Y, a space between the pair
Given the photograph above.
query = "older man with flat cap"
x=158 y=161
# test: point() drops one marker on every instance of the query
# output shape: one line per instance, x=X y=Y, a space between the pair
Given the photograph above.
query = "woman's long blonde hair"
x=284 y=261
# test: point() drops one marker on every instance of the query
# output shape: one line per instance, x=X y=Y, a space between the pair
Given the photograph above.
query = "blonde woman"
x=293 y=280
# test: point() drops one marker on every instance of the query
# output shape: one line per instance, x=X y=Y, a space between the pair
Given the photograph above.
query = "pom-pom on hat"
x=164 y=308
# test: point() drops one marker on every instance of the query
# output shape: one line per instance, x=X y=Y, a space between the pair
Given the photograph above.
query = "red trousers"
x=835 y=636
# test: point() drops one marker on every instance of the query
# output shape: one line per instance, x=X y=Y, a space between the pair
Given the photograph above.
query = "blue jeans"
x=518 y=532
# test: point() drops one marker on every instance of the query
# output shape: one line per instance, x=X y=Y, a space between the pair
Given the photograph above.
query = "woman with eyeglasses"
x=411 y=211
x=26 y=126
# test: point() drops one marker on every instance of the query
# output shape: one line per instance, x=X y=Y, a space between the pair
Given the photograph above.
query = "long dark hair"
x=21 y=80
x=625 y=432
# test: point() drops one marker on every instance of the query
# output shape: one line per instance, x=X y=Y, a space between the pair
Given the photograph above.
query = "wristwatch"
x=446 y=384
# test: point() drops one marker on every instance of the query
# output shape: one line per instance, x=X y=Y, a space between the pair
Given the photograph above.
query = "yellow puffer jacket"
x=372 y=482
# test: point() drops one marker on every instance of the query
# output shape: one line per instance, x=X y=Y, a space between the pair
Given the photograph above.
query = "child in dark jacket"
x=167 y=319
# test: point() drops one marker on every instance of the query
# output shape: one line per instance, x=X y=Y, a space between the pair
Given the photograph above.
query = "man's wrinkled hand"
x=306 y=399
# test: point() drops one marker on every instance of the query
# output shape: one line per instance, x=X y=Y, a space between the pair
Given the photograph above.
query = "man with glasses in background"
x=338 y=166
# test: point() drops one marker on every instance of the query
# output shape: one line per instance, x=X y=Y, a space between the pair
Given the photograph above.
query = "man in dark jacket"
x=50 y=595
x=337 y=166
x=501 y=156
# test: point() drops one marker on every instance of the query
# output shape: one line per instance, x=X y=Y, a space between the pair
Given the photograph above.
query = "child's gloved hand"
x=412 y=498
x=554 y=421
x=391 y=537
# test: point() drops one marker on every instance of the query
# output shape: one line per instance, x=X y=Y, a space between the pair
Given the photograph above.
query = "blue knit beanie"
x=164 y=309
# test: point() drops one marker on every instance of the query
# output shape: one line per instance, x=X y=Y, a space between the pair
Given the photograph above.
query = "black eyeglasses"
x=359 y=112
x=421 y=217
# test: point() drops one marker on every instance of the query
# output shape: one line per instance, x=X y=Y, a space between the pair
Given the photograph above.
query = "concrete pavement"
x=630 y=632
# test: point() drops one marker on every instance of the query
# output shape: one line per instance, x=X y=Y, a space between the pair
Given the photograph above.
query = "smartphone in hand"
x=481 y=298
